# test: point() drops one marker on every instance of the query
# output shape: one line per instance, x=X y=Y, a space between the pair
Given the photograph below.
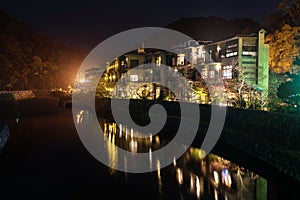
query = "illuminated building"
x=249 y=53
x=141 y=83
x=243 y=54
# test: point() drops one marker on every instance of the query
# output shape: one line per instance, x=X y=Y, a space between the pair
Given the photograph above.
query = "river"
x=45 y=159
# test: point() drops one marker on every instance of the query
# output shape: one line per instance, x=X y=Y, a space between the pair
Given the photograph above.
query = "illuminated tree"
x=239 y=92
x=283 y=48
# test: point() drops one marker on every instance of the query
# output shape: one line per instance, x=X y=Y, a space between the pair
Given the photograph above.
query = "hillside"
x=30 y=60
x=213 y=28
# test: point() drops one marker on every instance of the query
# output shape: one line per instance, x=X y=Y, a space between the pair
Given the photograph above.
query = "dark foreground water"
x=45 y=159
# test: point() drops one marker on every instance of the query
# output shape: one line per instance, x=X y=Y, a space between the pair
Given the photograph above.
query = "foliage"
x=291 y=11
x=290 y=90
x=29 y=60
x=283 y=48
x=275 y=80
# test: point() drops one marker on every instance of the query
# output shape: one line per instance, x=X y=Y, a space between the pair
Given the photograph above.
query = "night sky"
x=84 y=24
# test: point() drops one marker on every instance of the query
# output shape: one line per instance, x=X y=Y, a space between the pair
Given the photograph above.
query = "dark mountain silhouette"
x=213 y=28
x=30 y=60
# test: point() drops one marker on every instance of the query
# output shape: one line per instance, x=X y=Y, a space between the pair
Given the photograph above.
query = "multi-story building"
x=242 y=56
x=142 y=83
x=245 y=54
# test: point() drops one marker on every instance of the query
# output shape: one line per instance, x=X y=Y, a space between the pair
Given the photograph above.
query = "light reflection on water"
x=211 y=177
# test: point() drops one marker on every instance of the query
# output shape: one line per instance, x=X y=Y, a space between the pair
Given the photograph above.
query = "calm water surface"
x=192 y=176
x=44 y=158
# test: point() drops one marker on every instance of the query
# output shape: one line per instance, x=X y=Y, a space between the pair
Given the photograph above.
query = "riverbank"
x=24 y=105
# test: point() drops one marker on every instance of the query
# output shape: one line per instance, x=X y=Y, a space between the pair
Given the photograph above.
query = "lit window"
x=232 y=46
x=231 y=54
x=204 y=73
x=180 y=59
x=212 y=74
x=227 y=72
x=158 y=60
x=249 y=53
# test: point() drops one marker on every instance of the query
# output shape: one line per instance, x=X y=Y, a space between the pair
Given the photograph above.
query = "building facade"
x=239 y=57
x=243 y=56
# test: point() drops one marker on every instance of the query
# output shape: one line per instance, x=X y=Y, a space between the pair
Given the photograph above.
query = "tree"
x=273 y=21
x=239 y=92
x=6 y=68
x=291 y=11
x=290 y=90
x=283 y=48
x=275 y=80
